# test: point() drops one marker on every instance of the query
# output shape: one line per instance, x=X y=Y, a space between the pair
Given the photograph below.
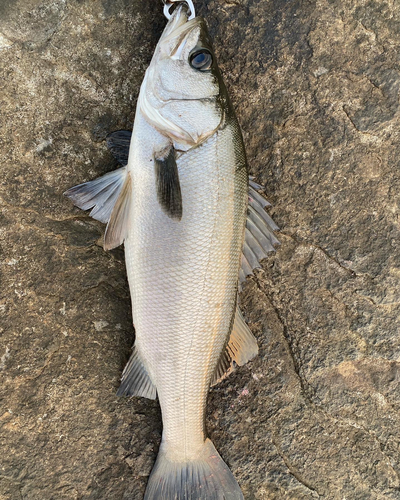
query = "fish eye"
x=201 y=60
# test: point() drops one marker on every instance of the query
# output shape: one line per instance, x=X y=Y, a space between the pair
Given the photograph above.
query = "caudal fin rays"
x=204 y=478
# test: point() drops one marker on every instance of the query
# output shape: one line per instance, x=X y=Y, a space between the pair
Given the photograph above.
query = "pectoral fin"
x=166 y=170
x=167 y=182
x=118 y=143
x=241 y=348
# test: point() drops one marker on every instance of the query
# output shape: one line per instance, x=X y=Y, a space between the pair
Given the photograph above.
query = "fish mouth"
x=178 y=28
x=177 y=33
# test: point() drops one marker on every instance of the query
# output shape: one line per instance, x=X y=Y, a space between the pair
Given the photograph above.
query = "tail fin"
x=206 y=478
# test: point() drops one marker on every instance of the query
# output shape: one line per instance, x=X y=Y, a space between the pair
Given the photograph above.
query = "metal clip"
x=169 y=3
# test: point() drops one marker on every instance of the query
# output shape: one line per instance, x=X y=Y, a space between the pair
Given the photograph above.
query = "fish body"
x=183 y=276
x=180 y=205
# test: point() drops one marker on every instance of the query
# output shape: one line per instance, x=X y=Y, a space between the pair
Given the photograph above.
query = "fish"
x=193 y=227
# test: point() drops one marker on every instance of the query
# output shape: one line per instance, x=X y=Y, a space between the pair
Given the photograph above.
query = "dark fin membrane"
x=99 y=195
x=118 y=225
x=135 y=380
x=118 y=143
x=259 y=235
x=241 y=348
x=206 y=478
x=167 y=183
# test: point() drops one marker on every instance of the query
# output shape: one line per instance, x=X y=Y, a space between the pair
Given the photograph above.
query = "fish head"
x=183 y=95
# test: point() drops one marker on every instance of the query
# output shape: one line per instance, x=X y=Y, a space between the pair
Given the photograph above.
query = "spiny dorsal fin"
x=167 y=182
x=118 y=143
x=118 y=225
x=100 y=195
x=259 y=235
x=241 y=348
x=135 y=380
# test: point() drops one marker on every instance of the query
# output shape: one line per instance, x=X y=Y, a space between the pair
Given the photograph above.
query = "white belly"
x=183 y=278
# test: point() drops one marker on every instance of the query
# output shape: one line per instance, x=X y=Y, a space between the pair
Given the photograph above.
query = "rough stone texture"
x=315 y=85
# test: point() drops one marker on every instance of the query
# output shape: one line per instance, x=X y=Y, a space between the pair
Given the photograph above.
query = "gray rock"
x=315 y=86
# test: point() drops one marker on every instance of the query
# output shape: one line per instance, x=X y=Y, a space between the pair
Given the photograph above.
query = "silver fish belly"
x=180 y=205
x=183 y=277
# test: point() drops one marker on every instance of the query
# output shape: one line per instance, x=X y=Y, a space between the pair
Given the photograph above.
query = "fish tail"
x=205 y=478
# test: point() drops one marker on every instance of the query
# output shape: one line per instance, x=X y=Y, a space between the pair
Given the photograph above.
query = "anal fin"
x=135 y=380
x=241 y=348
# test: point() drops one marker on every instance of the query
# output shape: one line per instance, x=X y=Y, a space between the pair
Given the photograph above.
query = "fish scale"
x=184 y=286
x=179 y=205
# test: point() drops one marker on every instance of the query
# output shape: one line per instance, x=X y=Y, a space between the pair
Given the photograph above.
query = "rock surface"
x=315 y=85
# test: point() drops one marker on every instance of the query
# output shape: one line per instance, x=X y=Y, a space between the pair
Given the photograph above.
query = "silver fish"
x=180 y=205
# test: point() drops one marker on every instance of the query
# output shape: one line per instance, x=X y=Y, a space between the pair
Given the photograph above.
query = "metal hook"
x=168 y=4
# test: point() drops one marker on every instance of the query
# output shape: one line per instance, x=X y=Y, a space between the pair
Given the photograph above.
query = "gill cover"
x=181 y=100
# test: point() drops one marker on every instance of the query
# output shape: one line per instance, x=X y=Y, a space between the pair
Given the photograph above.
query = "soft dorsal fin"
x=241 y=348
x=118 y=143
x=259 y=235
x=167 y=182
x=135 y=380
